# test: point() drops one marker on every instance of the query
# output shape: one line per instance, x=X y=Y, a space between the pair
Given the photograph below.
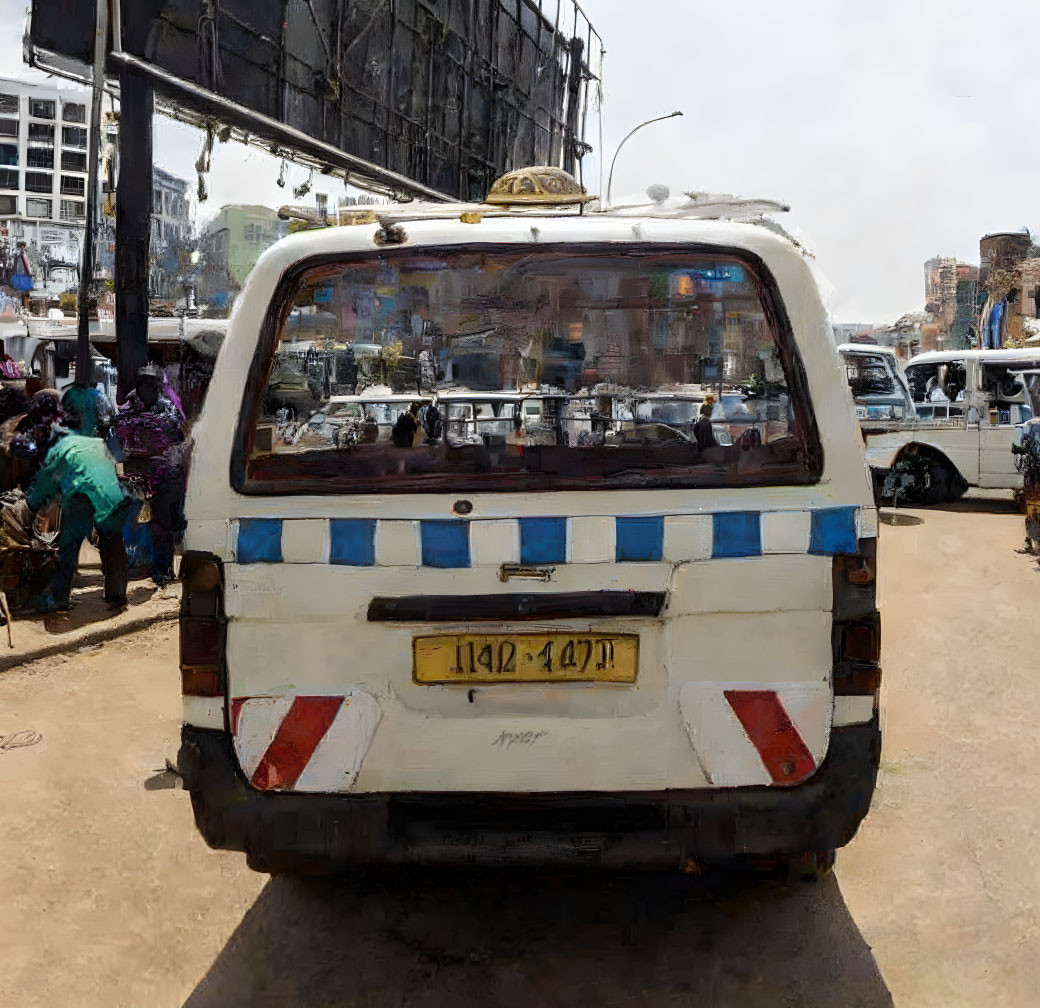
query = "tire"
x=936 y=481
x=877 y=477
x=945 y=483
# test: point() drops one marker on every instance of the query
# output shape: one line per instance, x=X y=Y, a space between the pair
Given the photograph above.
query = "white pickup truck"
x=944 y=422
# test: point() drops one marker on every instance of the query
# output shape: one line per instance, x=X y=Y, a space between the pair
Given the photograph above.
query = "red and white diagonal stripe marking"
x=303 y=743
x=757 y=733
x=765 y=721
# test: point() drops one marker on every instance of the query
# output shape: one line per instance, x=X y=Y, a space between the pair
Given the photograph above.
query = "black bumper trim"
x=311 y=832
x=526 y=606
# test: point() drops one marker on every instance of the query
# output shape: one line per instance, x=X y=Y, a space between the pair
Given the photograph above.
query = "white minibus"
x=562 y=646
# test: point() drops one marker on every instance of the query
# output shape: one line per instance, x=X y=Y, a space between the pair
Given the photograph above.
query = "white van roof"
x=469 y=395
x=392 y=397
x=941 y=356
x=873 y=348
x=421 y=233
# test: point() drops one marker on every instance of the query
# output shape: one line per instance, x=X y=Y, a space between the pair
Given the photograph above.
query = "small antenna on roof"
x=628 y=136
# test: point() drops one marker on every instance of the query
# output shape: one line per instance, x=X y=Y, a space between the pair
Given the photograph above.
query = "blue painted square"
x=353 y=542
x=260 y=540
x=543 y=540
x=736 y=534
x=445 y=543
x=833 y=531
x=639 y=538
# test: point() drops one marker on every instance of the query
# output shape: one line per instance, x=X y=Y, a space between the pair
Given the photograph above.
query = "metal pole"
x=86 y=272
x=610 y=177
x=133 y=226
x=571 y=160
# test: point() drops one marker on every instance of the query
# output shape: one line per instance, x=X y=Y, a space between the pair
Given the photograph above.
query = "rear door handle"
x=509 y=570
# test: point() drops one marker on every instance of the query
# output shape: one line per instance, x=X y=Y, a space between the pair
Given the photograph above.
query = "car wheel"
x=945 y=484
x=878 y=479
x=924 y=478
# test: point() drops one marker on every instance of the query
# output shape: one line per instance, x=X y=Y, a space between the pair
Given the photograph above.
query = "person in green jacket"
x=81 y=472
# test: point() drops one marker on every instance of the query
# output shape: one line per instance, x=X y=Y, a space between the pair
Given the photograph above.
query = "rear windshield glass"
x=939 y=381
x=870 y=375
x=1032 y=383
x=530 y=369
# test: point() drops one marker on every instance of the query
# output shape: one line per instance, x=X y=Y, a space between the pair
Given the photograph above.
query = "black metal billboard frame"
x=410 y=98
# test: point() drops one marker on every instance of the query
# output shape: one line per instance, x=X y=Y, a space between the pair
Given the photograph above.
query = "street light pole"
x=86 y=272
x=610 y=177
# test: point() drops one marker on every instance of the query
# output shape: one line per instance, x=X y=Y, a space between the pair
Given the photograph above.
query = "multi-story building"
x=1002 y=250
x=965 y=331
x=950 y=296
x=230 y=246
x=1007 y=283
x=43 y=178
x=852 y=332
x=170 y=232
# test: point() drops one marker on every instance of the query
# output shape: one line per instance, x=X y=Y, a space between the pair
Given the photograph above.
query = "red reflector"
x=857 y=680
x=202 y=641
x=856 y=569
x=861 y=643
x=200 y=681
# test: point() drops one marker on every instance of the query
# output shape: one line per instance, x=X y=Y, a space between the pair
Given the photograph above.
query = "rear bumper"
x=301 y=832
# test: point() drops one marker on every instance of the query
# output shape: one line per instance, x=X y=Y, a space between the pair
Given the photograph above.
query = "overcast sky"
x=895 y=129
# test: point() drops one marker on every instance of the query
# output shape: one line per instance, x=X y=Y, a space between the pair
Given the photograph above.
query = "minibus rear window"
x=531 y=368
x=869 y=375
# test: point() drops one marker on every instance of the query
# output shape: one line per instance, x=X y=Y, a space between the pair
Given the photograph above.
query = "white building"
x=845 y=332
x=43 y=178
x=170 y=231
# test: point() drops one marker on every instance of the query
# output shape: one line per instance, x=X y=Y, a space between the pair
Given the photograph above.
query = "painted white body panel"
x=299 y=628
x=996 y=462
x=882 y=449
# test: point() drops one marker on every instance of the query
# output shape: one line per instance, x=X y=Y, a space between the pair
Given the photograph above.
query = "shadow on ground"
x=978 y=505
x=974 y=504
x=430 y=939
x=89 y=607
x=899 y=518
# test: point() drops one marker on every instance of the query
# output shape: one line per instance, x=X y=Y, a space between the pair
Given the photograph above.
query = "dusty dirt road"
x=109 y=898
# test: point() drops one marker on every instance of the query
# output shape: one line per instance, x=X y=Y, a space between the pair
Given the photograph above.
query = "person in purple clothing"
x=151 y=433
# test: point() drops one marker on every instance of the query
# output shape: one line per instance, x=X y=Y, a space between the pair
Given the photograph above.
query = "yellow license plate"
x=513 y=658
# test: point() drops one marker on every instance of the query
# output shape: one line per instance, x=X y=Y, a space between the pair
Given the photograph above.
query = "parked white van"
x=879 y=390
x=575 y=649
x=966 y=405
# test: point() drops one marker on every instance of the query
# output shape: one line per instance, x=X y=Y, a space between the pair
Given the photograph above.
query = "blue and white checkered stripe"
x=454 y=544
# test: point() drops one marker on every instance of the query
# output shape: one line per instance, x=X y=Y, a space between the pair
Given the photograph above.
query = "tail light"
x=202 y=625
x=856 y=633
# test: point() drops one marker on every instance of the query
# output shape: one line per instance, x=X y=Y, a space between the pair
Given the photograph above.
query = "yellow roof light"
x=539 y=186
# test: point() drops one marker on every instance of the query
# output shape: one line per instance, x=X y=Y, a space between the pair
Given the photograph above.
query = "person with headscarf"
x=151 y=433
x=703 y=430
x=404 y=430
x=25 y=438
x=87 y=411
